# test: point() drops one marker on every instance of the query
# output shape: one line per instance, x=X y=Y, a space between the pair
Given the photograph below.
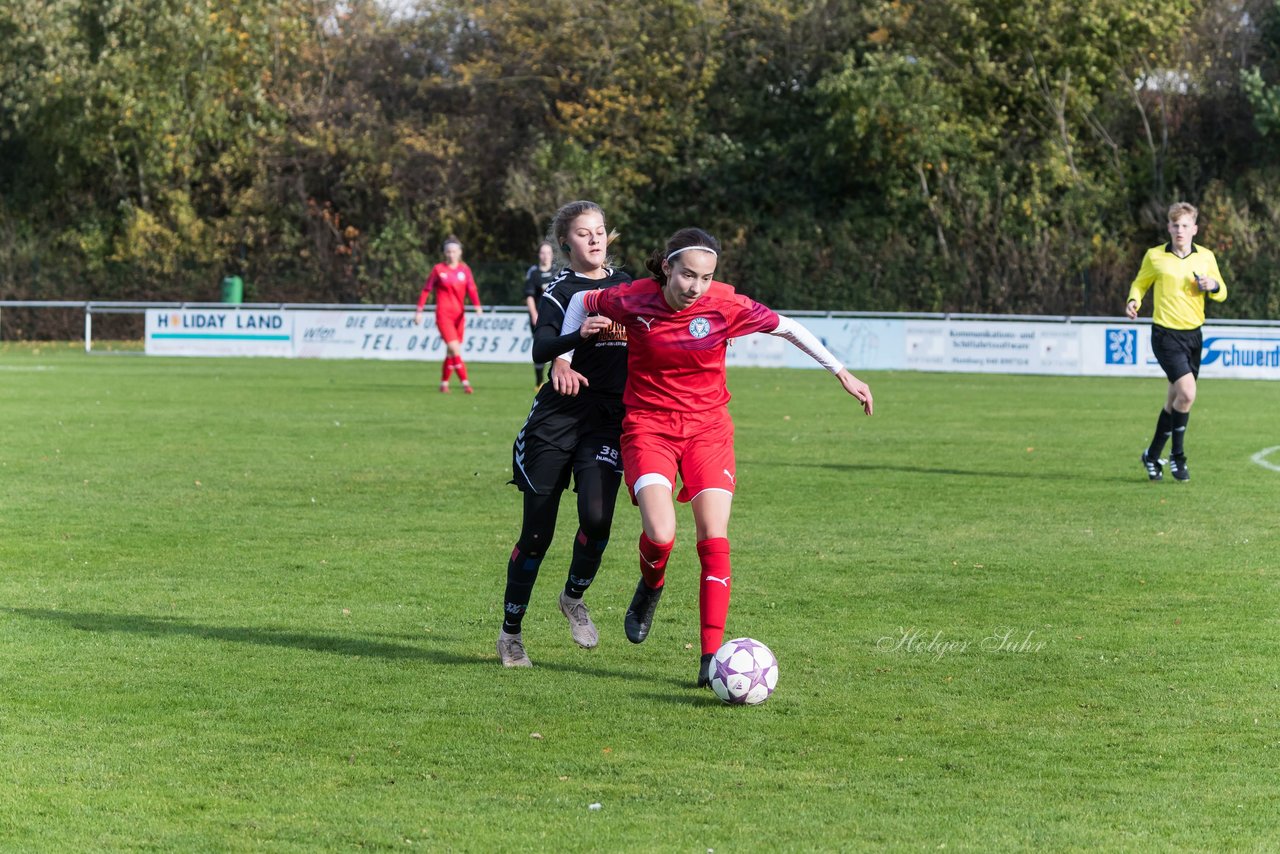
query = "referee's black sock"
x=1179 y=432
x=522 y=572
x=587 y=554
x=1164 y=429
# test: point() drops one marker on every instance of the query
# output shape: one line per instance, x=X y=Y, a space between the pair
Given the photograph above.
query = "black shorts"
x=1177 y=351
x=563 y=436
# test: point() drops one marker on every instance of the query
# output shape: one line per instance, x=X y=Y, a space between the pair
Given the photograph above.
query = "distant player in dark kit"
x=536 y=281
x=565 y=436
x=679 y=324
x=451 y=282
x=1183 y=274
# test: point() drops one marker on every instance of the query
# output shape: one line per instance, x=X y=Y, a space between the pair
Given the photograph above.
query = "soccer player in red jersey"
x=451 y=282
x=679 y=324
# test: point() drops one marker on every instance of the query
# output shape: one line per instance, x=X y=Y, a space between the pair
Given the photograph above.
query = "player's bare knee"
x=660 y=532
x=659 y=527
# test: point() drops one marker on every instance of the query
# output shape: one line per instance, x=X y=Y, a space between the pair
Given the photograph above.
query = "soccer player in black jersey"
x=536 y=281
x=568 y=435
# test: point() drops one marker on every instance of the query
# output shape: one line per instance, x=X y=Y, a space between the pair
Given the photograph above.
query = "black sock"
x=537 y=529
x=522 y=572
x=584 y=565
x=1179 y=433
x=1164 y=428
x=597 y=496
x=537 y=372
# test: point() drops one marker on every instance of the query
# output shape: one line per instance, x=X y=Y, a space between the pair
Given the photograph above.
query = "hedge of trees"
x=945 y=155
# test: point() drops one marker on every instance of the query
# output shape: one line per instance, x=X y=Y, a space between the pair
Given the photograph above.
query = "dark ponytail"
x=685 y=238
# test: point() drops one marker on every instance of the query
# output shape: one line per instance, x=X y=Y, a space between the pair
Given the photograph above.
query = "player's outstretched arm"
x=806 y=341
x=857 y=388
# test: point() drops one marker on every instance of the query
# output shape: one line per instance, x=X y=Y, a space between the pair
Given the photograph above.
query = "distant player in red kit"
x=451 y=282
x=679 y=324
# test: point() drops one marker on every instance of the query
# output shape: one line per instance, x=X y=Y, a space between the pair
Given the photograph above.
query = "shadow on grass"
x=89 y=621
x=688 y=697
x=543 y=663
x=163 y=626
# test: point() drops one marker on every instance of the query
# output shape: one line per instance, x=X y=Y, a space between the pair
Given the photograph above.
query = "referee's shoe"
x=1178 y=468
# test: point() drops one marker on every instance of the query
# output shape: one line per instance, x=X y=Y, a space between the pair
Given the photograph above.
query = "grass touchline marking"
x=1261 y=458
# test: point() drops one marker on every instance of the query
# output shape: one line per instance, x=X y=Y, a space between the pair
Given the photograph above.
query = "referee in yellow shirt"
x=1183 y=275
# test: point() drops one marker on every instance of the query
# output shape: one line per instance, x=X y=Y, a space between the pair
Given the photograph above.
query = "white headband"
x=687 y=248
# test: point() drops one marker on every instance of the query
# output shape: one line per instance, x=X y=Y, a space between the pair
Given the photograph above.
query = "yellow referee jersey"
x=1177 y=302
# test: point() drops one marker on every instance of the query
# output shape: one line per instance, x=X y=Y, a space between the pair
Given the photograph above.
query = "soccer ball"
x=744 y=672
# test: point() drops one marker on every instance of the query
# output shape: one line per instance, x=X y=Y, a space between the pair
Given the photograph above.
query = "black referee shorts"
x=1177 y=351
x=558 y=441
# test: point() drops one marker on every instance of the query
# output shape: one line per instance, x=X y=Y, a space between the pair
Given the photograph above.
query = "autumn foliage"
x=962 y=155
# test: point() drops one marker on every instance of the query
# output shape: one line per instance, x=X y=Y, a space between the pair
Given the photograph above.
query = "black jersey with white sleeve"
x=602 y=358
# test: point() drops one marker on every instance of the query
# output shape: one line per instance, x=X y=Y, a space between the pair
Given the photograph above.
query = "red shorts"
x=696 y=446
x=451 y=325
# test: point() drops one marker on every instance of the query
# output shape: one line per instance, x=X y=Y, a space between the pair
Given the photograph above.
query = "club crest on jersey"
x=699 y=327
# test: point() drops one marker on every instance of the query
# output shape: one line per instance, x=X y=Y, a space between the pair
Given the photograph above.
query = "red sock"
x=653 y=560
x=446 y=370
x=713 y=591
x=460 y=367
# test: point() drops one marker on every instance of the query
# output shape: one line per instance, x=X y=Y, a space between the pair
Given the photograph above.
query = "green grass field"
x=251 y=605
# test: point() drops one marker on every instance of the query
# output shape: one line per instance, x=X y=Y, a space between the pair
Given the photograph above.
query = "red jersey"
x=675 y=359
x=451 y=285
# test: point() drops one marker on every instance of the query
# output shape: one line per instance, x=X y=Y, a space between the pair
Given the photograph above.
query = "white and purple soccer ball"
x=744 y=672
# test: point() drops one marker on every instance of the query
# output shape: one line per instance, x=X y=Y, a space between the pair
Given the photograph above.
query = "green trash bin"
x=233 y=289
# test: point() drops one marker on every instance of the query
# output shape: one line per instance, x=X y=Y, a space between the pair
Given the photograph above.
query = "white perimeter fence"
x=972 y=343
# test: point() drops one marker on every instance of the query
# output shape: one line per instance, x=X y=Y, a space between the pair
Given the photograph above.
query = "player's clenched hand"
x=857 y=388
x=594 y=324
x=565 y=380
